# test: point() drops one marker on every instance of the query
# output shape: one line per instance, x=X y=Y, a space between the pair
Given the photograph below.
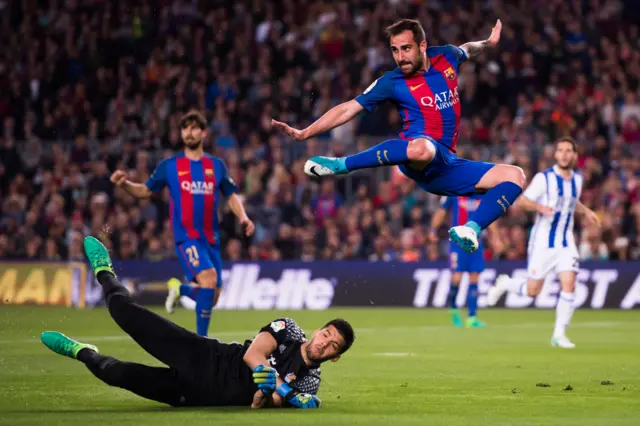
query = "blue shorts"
x=461 y=261
x=448 y=174
x=197 y=255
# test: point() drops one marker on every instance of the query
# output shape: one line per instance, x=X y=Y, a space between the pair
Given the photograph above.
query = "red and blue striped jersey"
x=194 y=188
x=461 y=209
x=427 y=101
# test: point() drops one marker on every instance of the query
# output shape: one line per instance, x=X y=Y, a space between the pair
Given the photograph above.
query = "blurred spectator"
x=92 y=86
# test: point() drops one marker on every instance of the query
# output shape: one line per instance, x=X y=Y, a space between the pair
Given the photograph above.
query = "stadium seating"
x=91 y=86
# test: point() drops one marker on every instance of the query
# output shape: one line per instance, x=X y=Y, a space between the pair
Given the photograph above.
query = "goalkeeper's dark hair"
x=345 y=330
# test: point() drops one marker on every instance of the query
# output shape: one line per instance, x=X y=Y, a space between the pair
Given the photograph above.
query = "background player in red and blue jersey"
x=424 y=88
x=195 y=180
x=460 y=211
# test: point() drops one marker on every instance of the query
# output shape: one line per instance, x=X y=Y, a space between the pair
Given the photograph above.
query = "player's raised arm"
x=475 y=48
x=379 y=91
x=137 y=190
x=336 y=116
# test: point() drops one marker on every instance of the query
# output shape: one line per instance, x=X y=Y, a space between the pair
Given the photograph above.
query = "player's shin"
x=452 y=296
x=472 y=299
x=494 y=204
x=387 y=153
x=204 y=306
x=564 y=312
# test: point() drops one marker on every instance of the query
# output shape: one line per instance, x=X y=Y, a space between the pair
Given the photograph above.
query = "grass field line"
x=250 y=333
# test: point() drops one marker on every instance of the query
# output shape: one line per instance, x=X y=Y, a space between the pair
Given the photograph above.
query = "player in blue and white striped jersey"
x=554 y=195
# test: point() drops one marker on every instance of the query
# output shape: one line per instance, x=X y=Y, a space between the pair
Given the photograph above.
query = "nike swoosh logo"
x=416 y=87
x=313 y=171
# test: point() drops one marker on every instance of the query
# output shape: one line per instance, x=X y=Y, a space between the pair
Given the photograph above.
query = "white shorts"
x=544 y=261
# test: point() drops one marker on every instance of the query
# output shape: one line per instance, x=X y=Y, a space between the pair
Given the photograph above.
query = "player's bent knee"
x=421 y=149
x=515 y=175
x=533 y=291
x=208 y=278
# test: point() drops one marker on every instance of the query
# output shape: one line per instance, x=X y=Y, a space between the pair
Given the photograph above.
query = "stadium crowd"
x=88 y=86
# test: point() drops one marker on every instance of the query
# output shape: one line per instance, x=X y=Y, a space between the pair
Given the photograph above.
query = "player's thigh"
x=475 y=263
x=195 y=259
x=498 y=174
x=541 y=262
x=449 y=174
x=567 y=267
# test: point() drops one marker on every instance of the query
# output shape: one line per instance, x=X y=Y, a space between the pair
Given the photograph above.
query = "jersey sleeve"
x=537 y=188
x=227 y=184
x=284 y=330
x=158 y=178
x=378 y=92
x=309 y=383
x=451 y=52
x=446 y=202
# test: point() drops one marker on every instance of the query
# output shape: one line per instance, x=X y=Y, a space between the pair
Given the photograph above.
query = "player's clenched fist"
x=118 y=177
x=265 y=377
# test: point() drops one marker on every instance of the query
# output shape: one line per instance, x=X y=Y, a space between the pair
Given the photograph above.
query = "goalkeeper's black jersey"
x=233 y=382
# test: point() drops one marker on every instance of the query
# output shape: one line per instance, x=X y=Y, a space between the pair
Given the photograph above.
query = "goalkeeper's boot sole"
x=62 y=345
x=98 y=256
x=465 y=237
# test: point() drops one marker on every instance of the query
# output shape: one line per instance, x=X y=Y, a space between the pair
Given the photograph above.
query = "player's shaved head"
x=403 y=25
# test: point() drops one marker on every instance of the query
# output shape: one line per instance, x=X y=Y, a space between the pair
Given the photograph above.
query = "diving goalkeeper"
x=279 y=368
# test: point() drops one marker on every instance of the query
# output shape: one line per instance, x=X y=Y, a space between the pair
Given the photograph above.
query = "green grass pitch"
x=407 y=367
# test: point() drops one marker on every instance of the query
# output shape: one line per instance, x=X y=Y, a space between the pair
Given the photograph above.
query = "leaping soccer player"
x=194 y=180
x=424 y=88
x=279 y=367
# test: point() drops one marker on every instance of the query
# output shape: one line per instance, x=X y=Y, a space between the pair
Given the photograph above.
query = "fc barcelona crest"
x=450 y=73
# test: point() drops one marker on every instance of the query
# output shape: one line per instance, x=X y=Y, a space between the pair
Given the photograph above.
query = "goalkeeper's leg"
x=156 y=383
x=163 y=339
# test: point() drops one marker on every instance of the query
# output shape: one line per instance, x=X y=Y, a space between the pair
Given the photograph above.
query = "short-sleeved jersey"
x=461 y=209
x=550 y=189
x=194 y=188
x=428 y=102
x=287 y=358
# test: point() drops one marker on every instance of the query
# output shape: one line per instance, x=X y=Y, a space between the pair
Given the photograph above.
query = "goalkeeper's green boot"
x=62 y=345
x=474 y=322
x=456 y=318
x=98 y=256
